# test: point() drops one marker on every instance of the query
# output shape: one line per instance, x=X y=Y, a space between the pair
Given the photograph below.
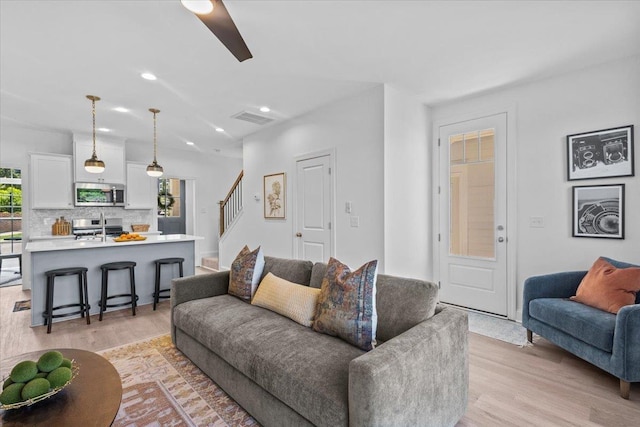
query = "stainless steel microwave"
x=94 y=194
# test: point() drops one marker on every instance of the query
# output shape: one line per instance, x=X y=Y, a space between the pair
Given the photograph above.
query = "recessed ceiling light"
x=121 y=109
x=201 y=7
x=190 y=143
x=104 y=129
x=148 y=76
x=265 y=109
x=219 y=130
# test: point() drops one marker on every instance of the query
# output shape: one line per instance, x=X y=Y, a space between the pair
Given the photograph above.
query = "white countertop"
x=65 y=245
x=52 y=237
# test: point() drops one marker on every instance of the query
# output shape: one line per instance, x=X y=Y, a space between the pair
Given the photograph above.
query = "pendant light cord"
x=93 y=113
x=155 y=144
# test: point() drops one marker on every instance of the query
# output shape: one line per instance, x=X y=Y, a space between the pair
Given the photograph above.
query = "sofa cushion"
x=607 y=287
x=306 y=370
x=593 y=326
x=245 y=273
x=293 y=270
x=297 y=302
x=347 y=304
x=402 y=303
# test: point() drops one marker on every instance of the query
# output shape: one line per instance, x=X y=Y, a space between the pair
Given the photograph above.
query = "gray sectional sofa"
x=285 y=374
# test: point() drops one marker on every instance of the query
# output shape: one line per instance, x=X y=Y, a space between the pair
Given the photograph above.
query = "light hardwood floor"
x=538 y=385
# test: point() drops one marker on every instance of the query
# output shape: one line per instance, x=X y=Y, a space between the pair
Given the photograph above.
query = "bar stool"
x=160 y=263
x=83 y=301
x=111 y=266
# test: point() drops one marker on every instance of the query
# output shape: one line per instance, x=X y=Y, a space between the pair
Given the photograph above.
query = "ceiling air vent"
x=252 y=118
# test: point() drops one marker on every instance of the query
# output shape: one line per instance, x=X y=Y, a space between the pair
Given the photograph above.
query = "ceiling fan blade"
x=220 y=23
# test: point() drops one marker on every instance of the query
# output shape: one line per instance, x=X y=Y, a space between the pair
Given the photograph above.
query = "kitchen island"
x=53 y=254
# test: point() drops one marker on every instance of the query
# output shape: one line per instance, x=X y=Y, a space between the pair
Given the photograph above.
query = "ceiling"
x=306 y=54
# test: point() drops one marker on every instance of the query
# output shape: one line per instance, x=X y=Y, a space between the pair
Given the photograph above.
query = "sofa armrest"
x=420 y=377
x=626 y=343
x=185 y=289
x=555 y=285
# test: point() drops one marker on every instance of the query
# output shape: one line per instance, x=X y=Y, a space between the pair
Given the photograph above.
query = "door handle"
x=298 y=234
x=500 y=239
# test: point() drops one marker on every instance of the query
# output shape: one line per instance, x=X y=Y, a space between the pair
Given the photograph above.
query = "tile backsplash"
x=41 y=220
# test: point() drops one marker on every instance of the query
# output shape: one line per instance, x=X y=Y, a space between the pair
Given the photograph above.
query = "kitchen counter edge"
x=65 y=245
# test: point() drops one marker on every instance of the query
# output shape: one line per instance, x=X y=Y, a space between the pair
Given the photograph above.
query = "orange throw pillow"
x=607 y=287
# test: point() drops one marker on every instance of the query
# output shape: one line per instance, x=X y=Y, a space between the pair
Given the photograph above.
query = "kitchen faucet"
x=102 y=223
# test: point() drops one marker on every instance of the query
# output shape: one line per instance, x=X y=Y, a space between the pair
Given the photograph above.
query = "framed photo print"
x=274 y=196
x=598 y=211
x=603 y=153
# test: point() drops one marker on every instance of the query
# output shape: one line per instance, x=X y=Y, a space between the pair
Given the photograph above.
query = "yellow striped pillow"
x=297 y=302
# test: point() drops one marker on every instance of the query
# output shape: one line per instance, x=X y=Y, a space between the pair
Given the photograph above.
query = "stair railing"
x=231 y=206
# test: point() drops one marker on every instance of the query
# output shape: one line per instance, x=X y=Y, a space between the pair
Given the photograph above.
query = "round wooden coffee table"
x=92 y=398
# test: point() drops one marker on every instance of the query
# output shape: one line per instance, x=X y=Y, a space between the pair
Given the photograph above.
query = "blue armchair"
x=608 y=341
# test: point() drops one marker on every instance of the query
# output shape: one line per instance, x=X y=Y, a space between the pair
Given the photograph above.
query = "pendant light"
x=154 y=169
x=94 y=165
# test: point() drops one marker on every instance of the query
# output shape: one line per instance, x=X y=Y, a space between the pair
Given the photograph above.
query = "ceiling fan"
x=215 y=16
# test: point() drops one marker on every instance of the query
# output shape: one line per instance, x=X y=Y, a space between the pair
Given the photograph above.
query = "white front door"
x=313 y=208
x=473 y=214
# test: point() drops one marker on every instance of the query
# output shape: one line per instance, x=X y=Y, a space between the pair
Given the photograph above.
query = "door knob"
x=500 y=239
x=298 y=234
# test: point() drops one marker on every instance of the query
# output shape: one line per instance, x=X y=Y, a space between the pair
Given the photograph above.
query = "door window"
x=10 y=210
x=472 y=194
x=169 y=197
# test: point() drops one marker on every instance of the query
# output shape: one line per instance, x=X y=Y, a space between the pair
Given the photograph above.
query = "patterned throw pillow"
x=347 y=304
x=297 y=302
x=245 y=273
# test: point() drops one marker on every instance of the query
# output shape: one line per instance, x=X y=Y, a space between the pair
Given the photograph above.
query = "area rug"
x=9 y=276
x=161 y=387
x=22 y=305
x=497 y=328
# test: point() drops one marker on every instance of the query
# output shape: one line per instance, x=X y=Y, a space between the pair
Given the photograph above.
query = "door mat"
x=22 y=305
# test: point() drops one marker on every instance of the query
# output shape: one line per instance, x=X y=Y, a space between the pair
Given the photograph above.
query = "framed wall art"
x=274 y=196
x=603 y=153
x=598 y=211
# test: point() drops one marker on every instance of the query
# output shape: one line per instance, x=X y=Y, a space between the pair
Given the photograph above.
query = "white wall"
x=546 y=111
x=354 y=127
x=213 y=175
x=407 y=186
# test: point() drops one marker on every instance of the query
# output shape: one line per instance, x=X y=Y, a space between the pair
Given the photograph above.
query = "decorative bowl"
x=74 y=369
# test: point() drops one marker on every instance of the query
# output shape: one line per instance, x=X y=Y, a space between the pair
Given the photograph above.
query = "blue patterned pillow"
x=245 y=273
x=347 y=304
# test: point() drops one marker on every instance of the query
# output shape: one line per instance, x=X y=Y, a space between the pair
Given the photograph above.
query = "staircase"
x=231 y=206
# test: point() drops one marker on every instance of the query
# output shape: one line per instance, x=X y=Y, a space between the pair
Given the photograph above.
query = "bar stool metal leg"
x=156 y=292
x=86 y=297
x=49 y=318
x=132 y=278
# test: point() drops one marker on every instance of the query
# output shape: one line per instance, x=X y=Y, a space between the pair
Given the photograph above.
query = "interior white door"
x=473 y=214
x=313 y=208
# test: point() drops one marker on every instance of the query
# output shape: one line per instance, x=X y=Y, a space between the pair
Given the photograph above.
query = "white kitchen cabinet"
x=110 y=151
x=141 y=189
x=51 y=183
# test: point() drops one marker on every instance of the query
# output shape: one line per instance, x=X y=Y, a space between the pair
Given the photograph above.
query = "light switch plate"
x=536 y=222
x=354 y=221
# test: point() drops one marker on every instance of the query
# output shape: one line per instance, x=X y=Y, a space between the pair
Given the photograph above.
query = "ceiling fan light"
x=200 y=7
x=155 y=170
x=94 y=165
